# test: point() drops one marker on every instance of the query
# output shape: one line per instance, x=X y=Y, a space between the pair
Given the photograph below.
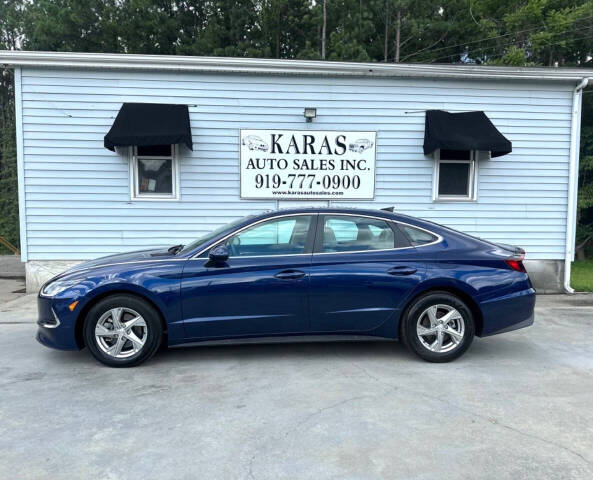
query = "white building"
x=80 y=200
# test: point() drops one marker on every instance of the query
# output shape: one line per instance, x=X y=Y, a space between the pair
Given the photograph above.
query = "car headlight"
x=51 y=289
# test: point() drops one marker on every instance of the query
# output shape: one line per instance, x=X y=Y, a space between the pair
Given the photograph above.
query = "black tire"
x=152 y=335
x=408 y=327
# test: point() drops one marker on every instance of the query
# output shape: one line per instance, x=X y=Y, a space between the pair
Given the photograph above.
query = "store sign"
x=298 y=164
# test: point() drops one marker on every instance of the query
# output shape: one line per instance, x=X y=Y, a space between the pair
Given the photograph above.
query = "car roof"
x=343 y=210
x=428 y=225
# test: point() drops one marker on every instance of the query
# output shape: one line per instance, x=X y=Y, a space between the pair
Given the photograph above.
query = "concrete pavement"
x=12 y=278
x=518 y=405
x=11 y=267
x=10 y=289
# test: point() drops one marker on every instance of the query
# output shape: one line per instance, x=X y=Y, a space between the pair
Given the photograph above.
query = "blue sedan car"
x=301 y=273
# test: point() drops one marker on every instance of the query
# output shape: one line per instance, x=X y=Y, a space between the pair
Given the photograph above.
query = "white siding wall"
x=77 y=192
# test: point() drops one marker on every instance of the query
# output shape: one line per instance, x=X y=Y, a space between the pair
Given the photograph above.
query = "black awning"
x=463 y=131
x=144 y=124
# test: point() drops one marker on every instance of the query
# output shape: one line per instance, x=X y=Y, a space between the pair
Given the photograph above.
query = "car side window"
x=418 y=236
x=279 y=236
x=352 y=234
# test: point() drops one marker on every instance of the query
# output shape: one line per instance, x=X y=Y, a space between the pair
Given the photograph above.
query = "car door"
x=260 y=290
x=362 y=268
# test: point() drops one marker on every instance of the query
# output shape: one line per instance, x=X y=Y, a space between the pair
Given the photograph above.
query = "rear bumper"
x=507 y=313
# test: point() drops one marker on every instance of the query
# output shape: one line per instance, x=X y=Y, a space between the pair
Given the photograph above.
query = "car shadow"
x=508 y=349
x=349 y=350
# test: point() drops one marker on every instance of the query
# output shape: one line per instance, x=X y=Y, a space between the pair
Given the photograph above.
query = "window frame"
x=319 y=240
x=135 y=195
x=312 y=247
x=393 y=224
x=472 y=180
x=308 y=250
x=407 y=235
x=308 y=238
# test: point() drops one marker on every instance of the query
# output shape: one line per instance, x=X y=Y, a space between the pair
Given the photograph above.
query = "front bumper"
x=509 y=312
x=56 y=324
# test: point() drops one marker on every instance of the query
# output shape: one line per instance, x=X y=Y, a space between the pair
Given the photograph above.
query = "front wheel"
x=438 y=327
x=122 y=331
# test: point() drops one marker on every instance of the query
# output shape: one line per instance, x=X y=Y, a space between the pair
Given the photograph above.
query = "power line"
x=491 y=38
x=511 y=43
x=506 y=44
x=486 y=39
x=549 y=44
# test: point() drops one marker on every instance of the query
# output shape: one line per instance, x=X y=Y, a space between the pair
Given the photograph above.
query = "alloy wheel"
x=121 y=332
x=440 y=328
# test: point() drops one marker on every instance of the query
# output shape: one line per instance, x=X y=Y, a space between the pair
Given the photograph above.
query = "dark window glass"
x=417 y=236
x=455 y=155
x=154 y=151
x=350 y=234
x=400 y=238
x=155 y=176
x=454 y=179
x=281 y=236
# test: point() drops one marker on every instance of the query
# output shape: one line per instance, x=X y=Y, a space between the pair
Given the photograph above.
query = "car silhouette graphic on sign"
x=254 y=142
x=360 y=145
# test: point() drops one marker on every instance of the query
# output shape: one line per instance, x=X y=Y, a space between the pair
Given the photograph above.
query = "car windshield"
x=209 y=236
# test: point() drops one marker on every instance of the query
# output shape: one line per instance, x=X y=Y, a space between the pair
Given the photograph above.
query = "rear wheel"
x=122 y=331
x=438 y=327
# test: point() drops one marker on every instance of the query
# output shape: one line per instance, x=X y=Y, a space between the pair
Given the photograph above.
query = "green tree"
x=71 y=25
x=222 y=28
x=290 y=29
x=504 y=32
x=9 y=212
x=10 y=36
x=584 y=237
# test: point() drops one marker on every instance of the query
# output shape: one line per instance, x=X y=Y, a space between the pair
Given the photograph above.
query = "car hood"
x=129 y=257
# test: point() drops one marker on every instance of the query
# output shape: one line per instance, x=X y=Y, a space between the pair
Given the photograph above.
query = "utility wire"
x=507 y=44
x=486 y=39
x=552 y=43
x=548 y=44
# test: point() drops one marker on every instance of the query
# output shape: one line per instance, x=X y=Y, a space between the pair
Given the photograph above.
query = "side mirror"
x=218 y=254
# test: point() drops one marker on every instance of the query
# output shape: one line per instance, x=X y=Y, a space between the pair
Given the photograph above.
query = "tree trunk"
x=323 y=30
x=278 y=35
x=387 y=20
x=398 y=25
x=580 y=249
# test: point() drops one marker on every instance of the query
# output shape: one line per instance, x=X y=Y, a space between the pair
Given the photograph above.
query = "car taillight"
x=516 y=262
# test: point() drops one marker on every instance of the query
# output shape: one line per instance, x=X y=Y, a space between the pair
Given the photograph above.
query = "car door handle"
x=401 y=270
x=290 y=274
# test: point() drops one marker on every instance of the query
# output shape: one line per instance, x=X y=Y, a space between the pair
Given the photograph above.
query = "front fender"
x=158 y=283
x=110 y=288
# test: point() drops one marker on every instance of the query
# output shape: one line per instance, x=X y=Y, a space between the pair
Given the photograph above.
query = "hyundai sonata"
x=295 y=274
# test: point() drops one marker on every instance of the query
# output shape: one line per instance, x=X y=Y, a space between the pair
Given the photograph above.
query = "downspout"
x=573 y=176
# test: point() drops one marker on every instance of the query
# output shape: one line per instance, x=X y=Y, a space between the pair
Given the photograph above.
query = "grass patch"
x=581 y=276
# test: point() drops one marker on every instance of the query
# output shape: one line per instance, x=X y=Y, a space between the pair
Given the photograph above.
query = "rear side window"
x=354 y=234
x=418 y=236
